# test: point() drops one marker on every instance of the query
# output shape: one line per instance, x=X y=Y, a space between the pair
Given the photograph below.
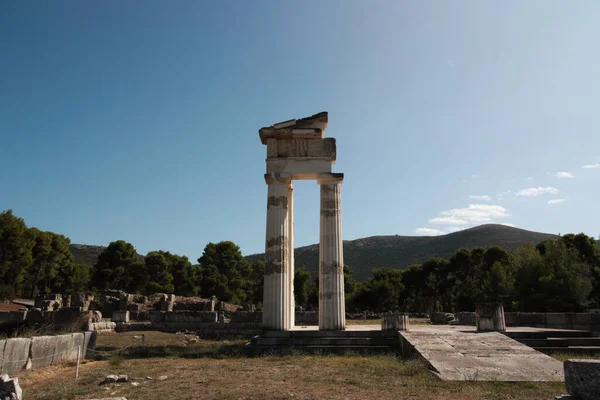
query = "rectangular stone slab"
x=459 y=353
x=16 y=355
x=42 y=351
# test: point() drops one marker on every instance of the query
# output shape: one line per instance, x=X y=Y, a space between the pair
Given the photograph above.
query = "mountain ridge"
x=393 y=251
x=396 y=251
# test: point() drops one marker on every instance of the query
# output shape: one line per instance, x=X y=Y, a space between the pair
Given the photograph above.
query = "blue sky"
x=139 y=120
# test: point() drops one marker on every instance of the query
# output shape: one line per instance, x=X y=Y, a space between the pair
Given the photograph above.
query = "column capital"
x=329 y=178
x=274 y=177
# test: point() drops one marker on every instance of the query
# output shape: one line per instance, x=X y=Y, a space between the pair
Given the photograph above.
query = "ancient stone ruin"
x=297 y=150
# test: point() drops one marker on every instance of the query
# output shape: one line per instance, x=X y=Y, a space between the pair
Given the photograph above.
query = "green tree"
x=16 y=243
x=72 y=279
x=382 y=292
x=120 y=267
x=185 y=276
x=224 y=272
x=158 y=270
x=588 y=252
x=551 y=277
x=495 y=275
x=302 y=283
x=255 y=283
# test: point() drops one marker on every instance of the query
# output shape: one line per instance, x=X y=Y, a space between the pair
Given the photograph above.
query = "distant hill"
x=86 y=254
x=401 y=251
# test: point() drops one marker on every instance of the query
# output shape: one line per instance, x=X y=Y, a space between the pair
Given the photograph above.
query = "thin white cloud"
x=475 y=176
x=451 y=229
x=448 y=221
x=451 y=63
x=475 y=213
x=530 y=178
x=429 y=232
x=484 y=197
x=508 y=224
x=556 y=201
x=563 y=175
x=597 y=165
x=537 y=191
x=502 y=194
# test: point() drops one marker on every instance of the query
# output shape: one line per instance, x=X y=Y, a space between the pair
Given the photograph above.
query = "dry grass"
x=211 y=370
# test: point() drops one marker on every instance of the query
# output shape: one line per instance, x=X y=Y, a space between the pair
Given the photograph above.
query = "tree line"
x=555 y=275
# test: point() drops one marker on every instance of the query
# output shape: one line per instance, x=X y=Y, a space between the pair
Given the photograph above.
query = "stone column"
x=276 y=298
x=490 y=317
x=291 y=252
x=332 y=307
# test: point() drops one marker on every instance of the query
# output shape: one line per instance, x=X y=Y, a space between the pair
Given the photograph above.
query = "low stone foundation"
x=576 y=321
x=42 y=351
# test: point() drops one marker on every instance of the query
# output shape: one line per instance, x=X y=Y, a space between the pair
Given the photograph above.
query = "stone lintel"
x=330 y=177
x=274 y=177
x=290 y=133
x=301 y=149
x=310 y=127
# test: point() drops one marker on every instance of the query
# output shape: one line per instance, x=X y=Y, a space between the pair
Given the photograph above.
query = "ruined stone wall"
x=578 y=321
x=41 y=351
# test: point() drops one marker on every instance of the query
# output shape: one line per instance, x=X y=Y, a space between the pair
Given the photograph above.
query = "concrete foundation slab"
x=459 y=353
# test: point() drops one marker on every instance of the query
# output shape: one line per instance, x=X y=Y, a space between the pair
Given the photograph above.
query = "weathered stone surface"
x=12 y=317
x=490 y=317
x=42 y=351
x=582 y=379
x=89 y=344
x=467 y=318
x=440 y=318
x=394 y=322
x=10 y=388
x=120 y=316
x=16 y=355
x=463 y=354
x=66 y=347
x=35 y=315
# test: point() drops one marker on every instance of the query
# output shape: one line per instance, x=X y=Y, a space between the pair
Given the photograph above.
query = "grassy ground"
x=219 y=370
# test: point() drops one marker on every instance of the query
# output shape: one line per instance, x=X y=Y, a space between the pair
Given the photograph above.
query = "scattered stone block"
x=394 y=322
x=10 y=388
x=35 y=315
x=467 y=318
x=120 y=316
x=166 y=306
x=582 y=379
x=490 y=317
x=221 y=318
x=115 y=379
x=438 y=318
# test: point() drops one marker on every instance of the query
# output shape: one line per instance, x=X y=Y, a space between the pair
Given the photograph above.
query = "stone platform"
x=460 y=353
x=356 y=338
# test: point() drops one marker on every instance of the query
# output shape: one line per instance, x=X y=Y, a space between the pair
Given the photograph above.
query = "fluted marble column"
x=291 y=253
x=332 y=305
x=276 y=298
